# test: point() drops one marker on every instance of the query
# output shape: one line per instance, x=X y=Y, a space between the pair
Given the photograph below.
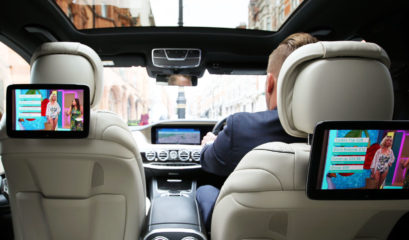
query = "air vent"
x=196 y=156
x=176 y=57
x=163 y=155
x=160 y=238
x=189 y=238
x=183 y=155
x=150 y=156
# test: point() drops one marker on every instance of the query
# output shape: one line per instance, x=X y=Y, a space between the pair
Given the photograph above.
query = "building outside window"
x=269 y=24
x=112 y=101
x=129 y=109
x=294 y=4
x=281 y=15
x=104 y=10
x=70 y=15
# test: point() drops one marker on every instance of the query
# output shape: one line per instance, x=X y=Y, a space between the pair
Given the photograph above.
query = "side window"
x=13 y=69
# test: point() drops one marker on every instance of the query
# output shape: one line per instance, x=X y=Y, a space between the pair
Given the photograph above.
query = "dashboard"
x=172 y=144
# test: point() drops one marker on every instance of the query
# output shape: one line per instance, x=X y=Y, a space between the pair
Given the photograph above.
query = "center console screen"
x=178 y=136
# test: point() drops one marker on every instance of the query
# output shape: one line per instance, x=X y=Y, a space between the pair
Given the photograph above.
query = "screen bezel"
x=315 y=161
x=42 y=133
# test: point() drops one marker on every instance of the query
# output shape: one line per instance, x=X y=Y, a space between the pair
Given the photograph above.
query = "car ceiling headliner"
x=383 y=22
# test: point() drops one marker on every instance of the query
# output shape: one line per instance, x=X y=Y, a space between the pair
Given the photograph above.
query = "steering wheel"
x=219 y=126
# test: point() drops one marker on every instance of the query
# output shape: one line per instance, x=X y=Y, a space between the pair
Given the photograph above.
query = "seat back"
x=1 y=98
x=264 y=198
x=92 y=188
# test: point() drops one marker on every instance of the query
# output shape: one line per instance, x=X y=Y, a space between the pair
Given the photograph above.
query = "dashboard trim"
x=162 y=167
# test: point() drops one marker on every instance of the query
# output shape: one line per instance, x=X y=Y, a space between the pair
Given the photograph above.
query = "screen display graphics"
x=370 y=159
x=178 y=136
x=367 y=160
x=44 y=110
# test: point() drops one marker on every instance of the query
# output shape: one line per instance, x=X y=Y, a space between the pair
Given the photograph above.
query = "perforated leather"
x=92 y=188
x=264 y=198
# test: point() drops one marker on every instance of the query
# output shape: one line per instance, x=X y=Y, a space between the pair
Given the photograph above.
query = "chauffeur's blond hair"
x=285 y=48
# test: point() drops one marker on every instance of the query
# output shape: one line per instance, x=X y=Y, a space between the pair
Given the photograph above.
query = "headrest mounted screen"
x=48 y=111
x=359 y=160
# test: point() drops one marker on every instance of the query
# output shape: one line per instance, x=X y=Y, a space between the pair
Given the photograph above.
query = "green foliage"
x=33 y=92
x=358 y=134
x=133 y=123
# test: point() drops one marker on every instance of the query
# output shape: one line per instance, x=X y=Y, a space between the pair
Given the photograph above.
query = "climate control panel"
x=172 y=155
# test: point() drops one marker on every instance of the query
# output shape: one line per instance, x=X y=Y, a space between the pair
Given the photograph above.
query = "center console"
x=174 y=214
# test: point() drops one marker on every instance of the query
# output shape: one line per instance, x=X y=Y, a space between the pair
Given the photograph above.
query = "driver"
x=244 y=131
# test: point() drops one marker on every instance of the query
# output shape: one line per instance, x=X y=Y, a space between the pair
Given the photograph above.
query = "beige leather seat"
x=2 y=91
x=91 y=188
x=264 y=198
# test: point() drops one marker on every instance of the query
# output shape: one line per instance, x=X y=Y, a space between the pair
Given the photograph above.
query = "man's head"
x=179 y=80
x=276 y=60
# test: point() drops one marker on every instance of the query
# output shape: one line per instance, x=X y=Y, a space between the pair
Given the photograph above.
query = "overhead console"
x=176 y=57
x=165 y=62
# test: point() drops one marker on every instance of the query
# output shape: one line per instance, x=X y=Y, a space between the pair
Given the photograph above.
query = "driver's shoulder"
x=254 y=116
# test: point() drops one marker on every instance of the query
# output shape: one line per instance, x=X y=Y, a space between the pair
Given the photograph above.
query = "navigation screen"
x=178 y=136
x=364 y=159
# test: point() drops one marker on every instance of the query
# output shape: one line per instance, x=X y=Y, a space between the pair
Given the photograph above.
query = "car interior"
x=135 y=174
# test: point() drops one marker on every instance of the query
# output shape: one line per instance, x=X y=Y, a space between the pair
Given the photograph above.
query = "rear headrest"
x=68 y=63
x=334 y=81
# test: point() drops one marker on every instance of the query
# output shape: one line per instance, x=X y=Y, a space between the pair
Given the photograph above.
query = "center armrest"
x=174 y=210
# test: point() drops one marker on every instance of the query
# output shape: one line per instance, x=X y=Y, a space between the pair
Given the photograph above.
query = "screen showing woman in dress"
x=365 y=159
x=48 y=109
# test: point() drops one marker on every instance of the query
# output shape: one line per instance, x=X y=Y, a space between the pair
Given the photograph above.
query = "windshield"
x=138 y=100
x=266 y=15
x=136 y=97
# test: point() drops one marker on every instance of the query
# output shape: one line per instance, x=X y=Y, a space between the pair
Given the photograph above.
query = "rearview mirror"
x=180 y=80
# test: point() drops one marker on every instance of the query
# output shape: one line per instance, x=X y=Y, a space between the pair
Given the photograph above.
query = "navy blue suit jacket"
x=243 y=132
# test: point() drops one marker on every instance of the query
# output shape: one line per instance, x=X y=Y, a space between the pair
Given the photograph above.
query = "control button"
x=163 y=155
x=173 y=155
x=183 y=155
x=160 y=238
x=159 y=53
x=196 y=155
x=176 y=53
x=150 y=155
x=189 y=238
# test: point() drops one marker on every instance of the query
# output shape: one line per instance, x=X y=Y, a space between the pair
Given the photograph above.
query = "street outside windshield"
x=136 y=97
